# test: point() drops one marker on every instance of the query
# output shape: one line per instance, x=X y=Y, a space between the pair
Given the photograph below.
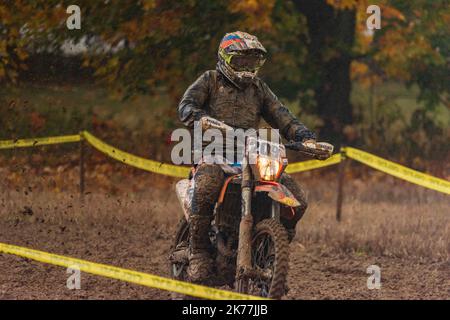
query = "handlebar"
x=318 y=150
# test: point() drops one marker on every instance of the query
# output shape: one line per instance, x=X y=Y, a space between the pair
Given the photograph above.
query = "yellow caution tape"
x=398 y=171
x=140 y=278
x=135 y=161
x=313 y=164
x=21 y=143
x=373 y=161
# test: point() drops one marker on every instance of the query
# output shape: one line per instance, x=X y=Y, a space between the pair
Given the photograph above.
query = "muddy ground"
x=401 y=228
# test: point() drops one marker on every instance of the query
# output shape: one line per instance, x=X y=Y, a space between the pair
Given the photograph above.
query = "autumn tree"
x=412 y=46
x=316 y=47
x=331 y=32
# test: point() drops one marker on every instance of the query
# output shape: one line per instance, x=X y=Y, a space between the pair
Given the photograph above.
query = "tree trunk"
x=331 y=38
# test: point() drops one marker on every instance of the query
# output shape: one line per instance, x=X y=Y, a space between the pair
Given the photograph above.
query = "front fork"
x=244 y=254
x=244 y=269
x=275 y=211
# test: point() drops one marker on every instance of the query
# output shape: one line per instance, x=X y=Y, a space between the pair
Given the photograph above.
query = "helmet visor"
x=247 y=62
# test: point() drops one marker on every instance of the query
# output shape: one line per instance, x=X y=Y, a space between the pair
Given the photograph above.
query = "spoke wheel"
x=270 y=259
x=178 y=269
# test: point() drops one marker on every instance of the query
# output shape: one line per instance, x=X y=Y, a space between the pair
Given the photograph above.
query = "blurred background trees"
x=386 y=90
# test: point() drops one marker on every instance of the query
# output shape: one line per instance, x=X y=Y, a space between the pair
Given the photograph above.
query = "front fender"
x=278 y=192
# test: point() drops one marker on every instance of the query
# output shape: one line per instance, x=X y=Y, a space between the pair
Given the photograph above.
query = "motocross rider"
x=235 y=95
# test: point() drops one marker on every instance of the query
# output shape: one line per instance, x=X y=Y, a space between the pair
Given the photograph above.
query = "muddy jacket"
x=213 y=95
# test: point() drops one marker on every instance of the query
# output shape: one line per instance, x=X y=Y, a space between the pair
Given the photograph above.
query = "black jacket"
x=213 y=95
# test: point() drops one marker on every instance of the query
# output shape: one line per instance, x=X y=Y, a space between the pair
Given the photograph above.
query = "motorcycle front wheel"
x=270 y=258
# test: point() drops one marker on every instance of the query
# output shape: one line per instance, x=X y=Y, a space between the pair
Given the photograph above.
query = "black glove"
x=302 y=135
x=323 y=155
x=197 y=115
x=318 y=151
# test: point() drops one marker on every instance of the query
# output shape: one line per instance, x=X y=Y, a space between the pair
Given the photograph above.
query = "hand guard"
x=317 y=150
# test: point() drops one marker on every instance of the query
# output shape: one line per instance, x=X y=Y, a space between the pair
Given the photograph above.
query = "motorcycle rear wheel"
x=178 y=269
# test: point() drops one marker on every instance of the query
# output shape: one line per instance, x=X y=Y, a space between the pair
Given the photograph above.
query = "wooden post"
x=340 y=190
x=82 y=155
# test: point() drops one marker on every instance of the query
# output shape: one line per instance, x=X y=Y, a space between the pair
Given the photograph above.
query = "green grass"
x=69 y=109
x=143 y=123
x=393 y=97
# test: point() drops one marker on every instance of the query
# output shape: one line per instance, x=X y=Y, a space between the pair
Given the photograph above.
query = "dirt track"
x=135 y=232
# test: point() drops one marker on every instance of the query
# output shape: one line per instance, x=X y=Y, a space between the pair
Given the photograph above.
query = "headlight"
x=269 y=169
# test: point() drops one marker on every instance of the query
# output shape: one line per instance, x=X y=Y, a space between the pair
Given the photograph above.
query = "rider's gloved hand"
x=324 y=155
x=318 y=152
x=305 y=141
x=310 y=142
x=199 y=114
x=303 y=135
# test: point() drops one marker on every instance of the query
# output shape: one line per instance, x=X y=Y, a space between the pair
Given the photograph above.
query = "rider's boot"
x=200 y=260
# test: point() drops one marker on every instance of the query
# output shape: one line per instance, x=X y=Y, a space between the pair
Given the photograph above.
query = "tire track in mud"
x=142 y=244
x=134 y=230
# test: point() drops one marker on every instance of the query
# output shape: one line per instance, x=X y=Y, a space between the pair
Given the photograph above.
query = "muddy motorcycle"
x=249 y=243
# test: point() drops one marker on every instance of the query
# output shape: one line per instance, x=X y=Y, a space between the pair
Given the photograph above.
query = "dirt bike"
x=249 y=243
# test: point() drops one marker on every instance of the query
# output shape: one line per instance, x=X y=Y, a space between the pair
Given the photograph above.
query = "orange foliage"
x=257 y=13
x=347 y=4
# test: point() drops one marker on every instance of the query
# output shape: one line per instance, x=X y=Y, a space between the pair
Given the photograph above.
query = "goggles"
x=247 y=62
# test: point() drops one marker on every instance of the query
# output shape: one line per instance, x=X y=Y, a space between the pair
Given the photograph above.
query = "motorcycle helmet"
x=240 y=57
